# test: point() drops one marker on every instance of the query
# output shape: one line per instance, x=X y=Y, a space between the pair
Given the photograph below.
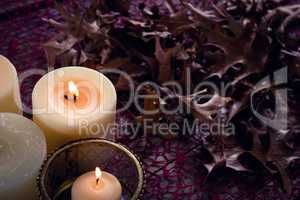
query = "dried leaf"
x=164 y=59
x=151 y=108
x=221 y=151
x=53 y=48
x=208 y=110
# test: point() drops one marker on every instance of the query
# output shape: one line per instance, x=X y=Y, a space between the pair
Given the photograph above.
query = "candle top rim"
x=41 y=100
x=59 y=72
x=70 y=68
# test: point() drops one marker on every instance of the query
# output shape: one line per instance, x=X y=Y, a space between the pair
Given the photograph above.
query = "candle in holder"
x=97 y=186
x=72 y=103
x=22 y=152
x=10 y=100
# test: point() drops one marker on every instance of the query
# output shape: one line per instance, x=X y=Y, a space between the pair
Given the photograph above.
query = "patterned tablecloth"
x=173 y=167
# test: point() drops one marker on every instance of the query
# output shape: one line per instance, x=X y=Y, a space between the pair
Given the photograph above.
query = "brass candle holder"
x=69 y=162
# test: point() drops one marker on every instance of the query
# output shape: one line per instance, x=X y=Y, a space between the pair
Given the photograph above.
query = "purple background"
x=173 y=167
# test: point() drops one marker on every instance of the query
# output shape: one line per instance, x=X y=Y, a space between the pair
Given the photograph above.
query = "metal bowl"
x=69 y=162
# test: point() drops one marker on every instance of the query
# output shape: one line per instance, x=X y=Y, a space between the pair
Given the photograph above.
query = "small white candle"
x=97 y=185
x=10 y=100
x=22 y=151
x=72 y=103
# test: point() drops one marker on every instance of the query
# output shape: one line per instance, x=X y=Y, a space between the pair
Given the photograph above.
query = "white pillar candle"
x=97 y=186
x=22 y=151
x=72 y=103
x=10 y=100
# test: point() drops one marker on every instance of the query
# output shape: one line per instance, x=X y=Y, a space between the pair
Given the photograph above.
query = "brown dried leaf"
x=115 y=63
x=222 y=151
x=151 y=110
x=54 y=48
x=175 y=22
x=238 y=47
x=230 y=159
x=207 y=110
x=281 y=156
x=164 y=57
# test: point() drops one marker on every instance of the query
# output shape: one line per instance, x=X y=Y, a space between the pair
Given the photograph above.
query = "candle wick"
x=97 y=181
x=74 y=97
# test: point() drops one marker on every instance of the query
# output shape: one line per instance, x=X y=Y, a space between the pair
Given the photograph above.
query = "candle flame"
x=73 y=89
x=98 y=174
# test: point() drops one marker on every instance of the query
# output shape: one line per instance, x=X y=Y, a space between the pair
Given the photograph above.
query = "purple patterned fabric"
x=173 y=167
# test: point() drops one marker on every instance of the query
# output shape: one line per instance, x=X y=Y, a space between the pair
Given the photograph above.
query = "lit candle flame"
x=73 y=89
x=98 y=174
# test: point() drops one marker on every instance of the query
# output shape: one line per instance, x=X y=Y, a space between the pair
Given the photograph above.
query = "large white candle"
x=97 y=186
x=10 y=100
x=22 y=151
x=72 y=103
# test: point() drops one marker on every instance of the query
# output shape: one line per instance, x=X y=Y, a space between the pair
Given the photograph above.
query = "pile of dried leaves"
x=236 y=42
